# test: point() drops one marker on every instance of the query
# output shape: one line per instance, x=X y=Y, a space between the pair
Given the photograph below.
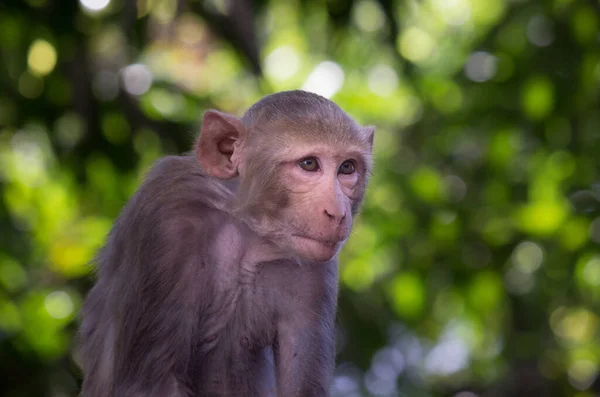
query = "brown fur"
x=207 y=291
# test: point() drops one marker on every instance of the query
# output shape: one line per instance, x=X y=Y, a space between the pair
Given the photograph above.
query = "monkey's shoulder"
x=173 y=165
x=179 y=182
x=175 y=199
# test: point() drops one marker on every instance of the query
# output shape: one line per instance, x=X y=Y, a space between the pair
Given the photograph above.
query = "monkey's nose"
x=338 y=216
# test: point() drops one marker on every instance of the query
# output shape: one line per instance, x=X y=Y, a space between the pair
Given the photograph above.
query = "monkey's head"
x=303 y=166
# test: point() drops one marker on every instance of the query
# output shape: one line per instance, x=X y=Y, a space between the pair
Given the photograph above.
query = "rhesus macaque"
x=208 y=287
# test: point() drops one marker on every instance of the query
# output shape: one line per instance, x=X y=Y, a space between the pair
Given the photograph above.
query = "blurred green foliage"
x=474 y=269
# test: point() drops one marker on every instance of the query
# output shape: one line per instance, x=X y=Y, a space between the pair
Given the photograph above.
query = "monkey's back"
x=162 y=253
x=173 y=209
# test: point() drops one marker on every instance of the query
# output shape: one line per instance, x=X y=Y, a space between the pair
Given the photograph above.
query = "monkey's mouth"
x=325 y=242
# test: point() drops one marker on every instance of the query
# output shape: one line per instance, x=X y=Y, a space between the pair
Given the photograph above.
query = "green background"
x=474 y=269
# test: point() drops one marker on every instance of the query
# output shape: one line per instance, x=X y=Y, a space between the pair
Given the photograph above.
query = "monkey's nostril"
x=333 y=215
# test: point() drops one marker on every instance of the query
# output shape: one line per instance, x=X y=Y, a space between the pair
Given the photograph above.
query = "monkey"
x=219 y=278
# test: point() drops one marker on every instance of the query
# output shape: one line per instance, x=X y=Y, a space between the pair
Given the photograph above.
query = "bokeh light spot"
x=585 y=23
x=69 y=257
x=382 y=80
x=590 y=273
x=481 y=66
x=542 y=217
x=574 y=233
x=415 y=44
x=169 y=104
x=29 y=158
x=69 y=129
x=115 y=128
x=527 y=257
x=282 y=63
x=574 y=324
x=12 y=275
x=41 y=58
x=356 y=275
x=448 y=357
x=454 y=12
x=326 y=79
x=582 y=373
x=137 y=79
x=344 y=385
x=486 y=291
x=537 y=98
x=59 y=304
x=426 y=182
x=487 y=12
x=94 y=5
x=465 y=394
x=539 y=31
x=408 y=295
x=30 y=86
x=368 y=16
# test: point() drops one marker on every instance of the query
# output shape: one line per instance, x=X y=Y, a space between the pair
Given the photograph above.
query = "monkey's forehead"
x=293 y=142
x=312 y=130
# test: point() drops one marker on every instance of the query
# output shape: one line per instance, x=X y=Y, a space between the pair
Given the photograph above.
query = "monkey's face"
x=302 y=165
x=321 y=190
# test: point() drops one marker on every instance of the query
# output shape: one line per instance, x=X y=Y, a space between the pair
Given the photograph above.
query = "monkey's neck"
x=258 y=248
x=263 y=252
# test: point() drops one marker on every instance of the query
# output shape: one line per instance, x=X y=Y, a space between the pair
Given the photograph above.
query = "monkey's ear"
x=217 y=143
x=369 y=133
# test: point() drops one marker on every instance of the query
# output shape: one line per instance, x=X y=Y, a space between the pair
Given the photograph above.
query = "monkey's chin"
x=315 y=250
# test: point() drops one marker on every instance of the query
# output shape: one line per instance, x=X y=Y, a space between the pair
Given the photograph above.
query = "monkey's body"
x=205 y=290
x=220 y=346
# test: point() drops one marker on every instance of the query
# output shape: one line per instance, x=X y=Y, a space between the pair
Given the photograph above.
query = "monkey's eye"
x=347 y=167
x=309 y=164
